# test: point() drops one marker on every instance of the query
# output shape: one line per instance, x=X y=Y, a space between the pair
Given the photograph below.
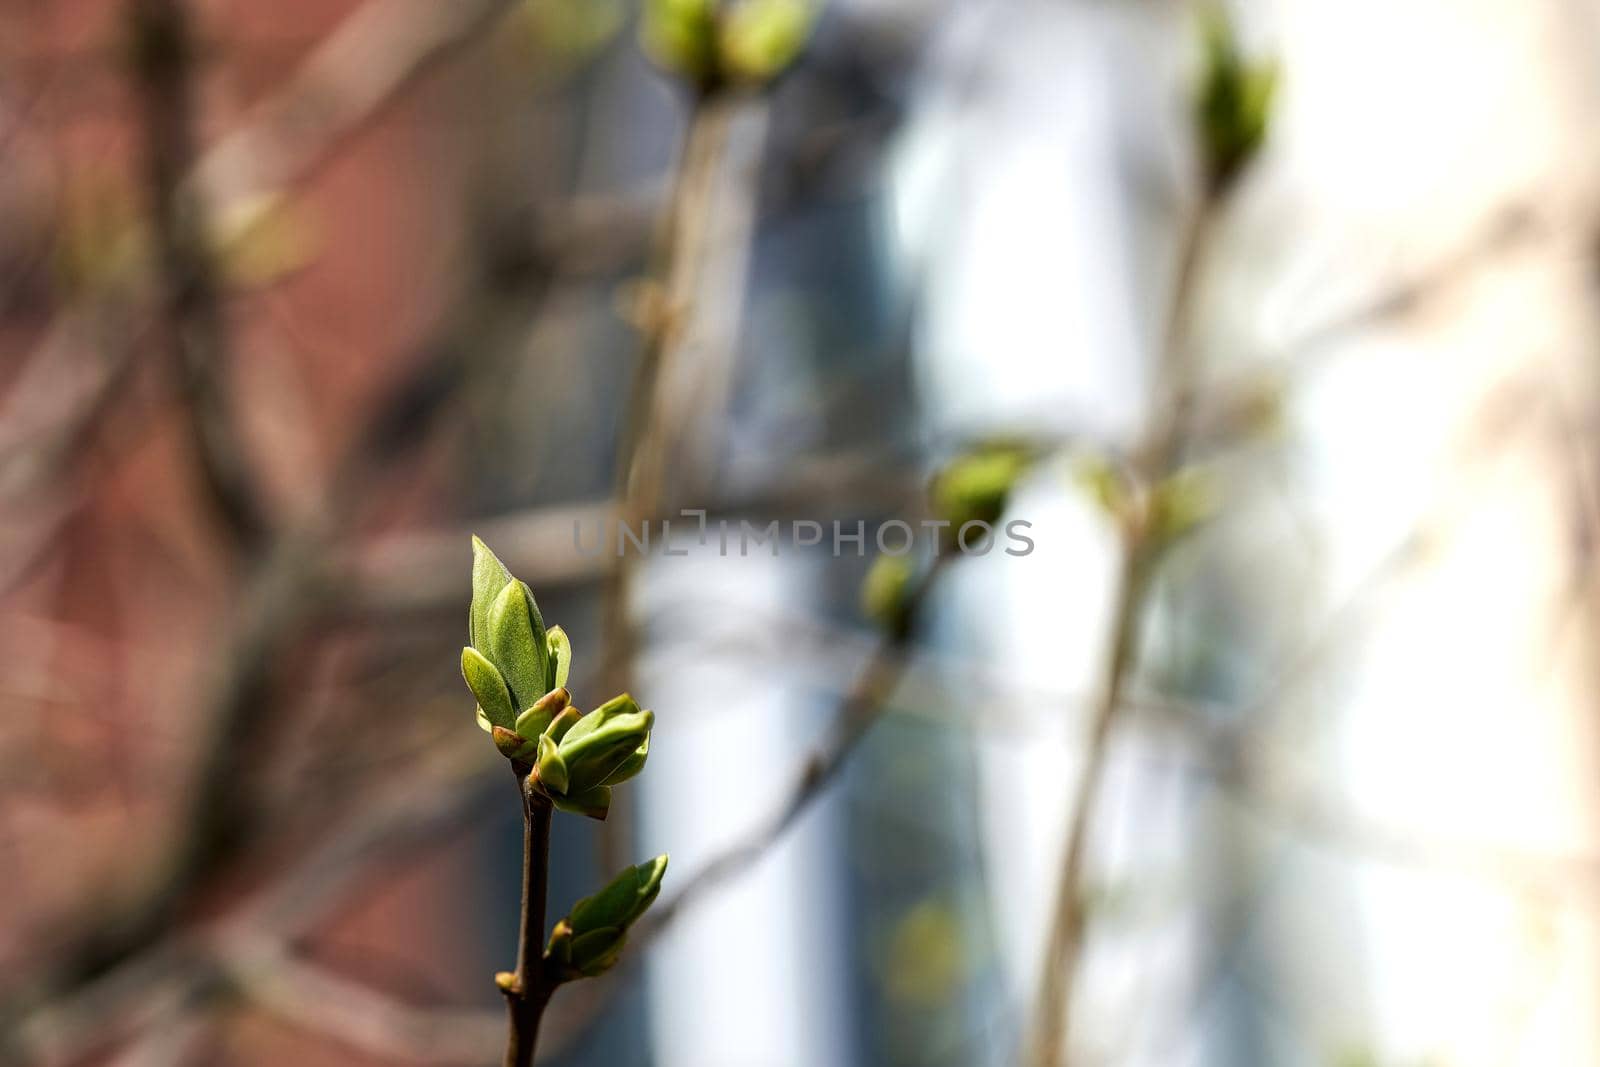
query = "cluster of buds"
x=976 y=485
x=591 y=938
x=518 y=671
x=973 y=489
x=712 y=43
x=1233 y=102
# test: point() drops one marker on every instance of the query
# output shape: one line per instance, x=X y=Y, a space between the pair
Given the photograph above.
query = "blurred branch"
x=164 y=57
x=858 y=712
x=664 y=310
x=1140 y=548
x=357 y=1016
x=413 y=572
x=348 y=81
x=291 y=588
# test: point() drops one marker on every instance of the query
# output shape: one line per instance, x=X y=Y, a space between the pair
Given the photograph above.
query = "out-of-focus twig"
x=1140 y=551
x=291 y=588
x=267 y=975
x=164 y=49
x=860 y=709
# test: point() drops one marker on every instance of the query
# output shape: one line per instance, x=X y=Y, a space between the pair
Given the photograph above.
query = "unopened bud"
x=593 y=754
x=624 y=899
x=594 y=802
x=559 y=650
x=597 y=951
x=536 y=720
x=551 y=767
x=488 y=686
x=517 y=643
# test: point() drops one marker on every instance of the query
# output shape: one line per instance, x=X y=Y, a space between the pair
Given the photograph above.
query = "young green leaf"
x=516 y=644
x=760 y=38
x=563 y=723
x=624 y=899
x=560 y=650
x=976 y=487
x=597 y=951
x=594 y=756
x=489 y=576
x=551 y=767
x=511 y=744
x=884 y=592
x=631 y=766
x=617 y=705
x=595 y=802
x=494 y=699
x=681 y=37
x=536 y=720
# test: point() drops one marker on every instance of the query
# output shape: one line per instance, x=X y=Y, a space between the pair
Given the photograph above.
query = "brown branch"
x=1162 y=449
x=290 y=589
x=164 y=59
x=267 y=975
x=531 y=985
x=858 y=712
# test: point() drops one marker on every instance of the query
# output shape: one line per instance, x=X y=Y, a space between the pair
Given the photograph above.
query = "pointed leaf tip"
x=494 y=698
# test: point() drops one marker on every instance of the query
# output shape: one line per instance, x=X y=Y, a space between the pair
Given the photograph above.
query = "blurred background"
x=1279 y=747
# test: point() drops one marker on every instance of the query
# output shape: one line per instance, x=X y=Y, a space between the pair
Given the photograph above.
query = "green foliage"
x=976 y=486
x=517 y=645
x=591 y=938
x=885 y=592
x=760 y=38
x=710 y=44
x=486 y=683
x=1233 y=104
x=517 y=670
x=560 y=652
x=1105 y=483
x=1179 y=504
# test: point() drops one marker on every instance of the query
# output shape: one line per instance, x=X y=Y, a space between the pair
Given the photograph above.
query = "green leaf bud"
x=560 y=725
x=680 y=36
x=597 y=951
x=598 y=752
x=551 y=767
x=512 y=745
x=1106 y=484
x=630 y=766
x=560 y=656
x=1233 y=103
x=489 y=577
x=494 y=699
x=624 y=899
x=617 y=705
x=760 y=38
x=594 y=802
x=536 y=720
x=559 y=949
x=1180 y=504
x=884 y=591
x=516 y=644
x=977 y=486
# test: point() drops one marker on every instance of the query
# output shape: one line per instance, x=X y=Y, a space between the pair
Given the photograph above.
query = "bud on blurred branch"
x=517 y=669
x=1233 y=103
x=712 y=44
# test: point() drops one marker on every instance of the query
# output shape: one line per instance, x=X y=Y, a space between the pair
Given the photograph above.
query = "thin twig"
x=648 y=430
x=164 y=48
x=532 y=984
x=1051 y=1038
x=858 y=712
